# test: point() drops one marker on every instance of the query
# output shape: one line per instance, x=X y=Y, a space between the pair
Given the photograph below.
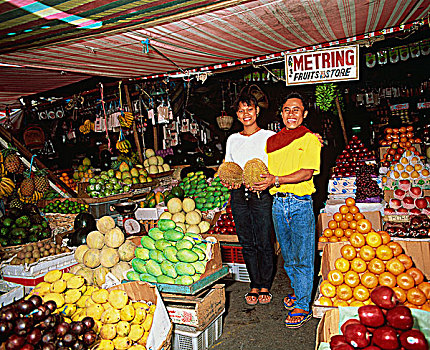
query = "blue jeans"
x=294 y=223
x=253 y=219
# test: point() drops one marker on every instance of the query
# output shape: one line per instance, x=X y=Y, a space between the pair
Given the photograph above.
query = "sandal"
x=255 y=295
x=288 y=298
x=306 y=317
x=268 y=300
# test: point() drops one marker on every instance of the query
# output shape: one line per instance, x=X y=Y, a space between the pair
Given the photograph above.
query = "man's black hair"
x=295 y=95
x=249 y=99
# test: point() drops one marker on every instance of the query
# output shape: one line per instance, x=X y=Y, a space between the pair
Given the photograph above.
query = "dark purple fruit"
x=5 y=328
x=88 y=322
x=41 y=313
x=27 y=347
x=77 y=328
x=89 y=337
x=69 y=339
x=9 y=315
x=78 y=345
x=61 y=329
x=48 y=346
x=49 y=322
x=35 y=336
x=48 y=337
x=24 y=307
x=14 y=342
x=52 y=305
x=36 y=300
x=23 y=325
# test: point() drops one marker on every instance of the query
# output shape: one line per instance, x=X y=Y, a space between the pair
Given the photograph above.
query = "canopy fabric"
x=105 y=38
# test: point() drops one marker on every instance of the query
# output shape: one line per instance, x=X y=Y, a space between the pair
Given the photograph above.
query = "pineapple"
x=13 y=164
x=27 y=187
x=16 y=203
x=41 y=182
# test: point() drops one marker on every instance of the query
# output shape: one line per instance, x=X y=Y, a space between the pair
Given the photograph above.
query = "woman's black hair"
x=246 y=98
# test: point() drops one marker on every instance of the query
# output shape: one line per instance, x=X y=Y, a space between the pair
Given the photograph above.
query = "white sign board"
x=322 y=66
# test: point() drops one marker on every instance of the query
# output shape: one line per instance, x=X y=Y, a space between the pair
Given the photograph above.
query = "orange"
x=323 y=239
x=366 y=252
x=333 y=239
x=348 y=232
x=395 y=266
x=358 y=216
x=342 y=264
x=385 y=237
x=332 y=224
x=416 y=274
x=358 y=265
x=400 y=293
x=384 y=252
x=324 y=301
x=364 y=226
x=327 y=289
x=348 y=252
x=369 y=280
x=353 y=209
x=426 y=306
x=349 y=217
x=338 y=232
x=335 y=277
x=353 y=225
x=350 y=201
x=344 y=224
x=396 y=247
x=356 y=303
x=338 y=303
x=387 y=279
x=343 y=239
x=337 y=217
x=416 y=296
x=352 y=279
x=328 y=232
x=361 y=293
x=425 y=288
x=374 y=239
x=357 y=240
x=343 y=209
x=344 y=292
x=405 y=281
x=376 y=266
x=406 y=260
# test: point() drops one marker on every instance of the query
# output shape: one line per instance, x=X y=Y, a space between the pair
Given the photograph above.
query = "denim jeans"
x=253 y=219
x=294 y=223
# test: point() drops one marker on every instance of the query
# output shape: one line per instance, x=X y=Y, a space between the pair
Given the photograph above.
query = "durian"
x=252 y=171
x=230 y=173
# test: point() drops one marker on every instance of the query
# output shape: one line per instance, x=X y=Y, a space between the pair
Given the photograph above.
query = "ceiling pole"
x=135 y=133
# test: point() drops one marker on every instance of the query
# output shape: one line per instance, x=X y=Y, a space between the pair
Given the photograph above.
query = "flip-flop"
x=265 y=302
x=306 y=317
x=293 y=299
x=255 y=295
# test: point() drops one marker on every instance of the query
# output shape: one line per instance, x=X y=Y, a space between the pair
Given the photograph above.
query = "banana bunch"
x=37 y=196
x=6 y=187
x=3 y=170
x=123 y=146
x=126 y=119
x=87 y=127
x=325 y=95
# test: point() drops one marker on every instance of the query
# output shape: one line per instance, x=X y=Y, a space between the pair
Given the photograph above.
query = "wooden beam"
x=342 y=124
x=135 y=133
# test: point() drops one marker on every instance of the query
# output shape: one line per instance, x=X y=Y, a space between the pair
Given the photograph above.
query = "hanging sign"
x=322 y=66
x=399 y=107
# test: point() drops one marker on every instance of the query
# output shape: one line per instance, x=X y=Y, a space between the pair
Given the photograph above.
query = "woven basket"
x=224 y=121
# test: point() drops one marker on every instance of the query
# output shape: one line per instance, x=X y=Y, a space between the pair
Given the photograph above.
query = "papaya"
x=165 y=279
x=139 y=265
x=142 y=253
x=184 y=280
x=187 y=255
x=159 y=197
x=201 y=254
x=147 y=242
x=133 y=275
x=170 y=254
x=184 y=243
x=153 y=268
x=166 y=224
x=199 y=266
x=152 y=203
x=146 y=277
x=173 y=235
x=155 y=233
x=168 y=269
x=155 y=254
x=184 y=269
x=161 y=244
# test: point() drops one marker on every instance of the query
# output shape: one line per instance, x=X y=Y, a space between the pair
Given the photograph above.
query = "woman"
x=252 y=214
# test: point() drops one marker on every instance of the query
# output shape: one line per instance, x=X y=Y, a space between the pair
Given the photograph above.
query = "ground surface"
x=262 y=326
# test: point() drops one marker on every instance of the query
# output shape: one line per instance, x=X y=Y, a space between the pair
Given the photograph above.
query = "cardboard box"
x=373 y=216
x=197 y=311
x=327 y=327
x=161 y=330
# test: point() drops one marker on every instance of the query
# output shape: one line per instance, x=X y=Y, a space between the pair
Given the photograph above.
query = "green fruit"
x=139 y=265
x=173 y=235
x=168 y=269
x=184 y=280
x=161 y=244
x=147 y=242
x=133 y=275
x=184 y=244
x=184 y=269
x=165 y=279
x=170 y=254
x=187 y=255
x=146 y=277
x=153 y=268
x=199 y=266
x=200 y=253
x=156 y=255
x=166 y=224
x=155 y=233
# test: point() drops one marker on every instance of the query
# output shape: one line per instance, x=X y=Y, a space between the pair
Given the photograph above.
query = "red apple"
x=408 y=202
x=413 y=340
x=371 y=316
x=389 y=211
x=400 y=317
x=347 y=323
x=357 y=335
x=421 y=203
x=402 y=211
x=399 y=194
x=415 y=211
x=391 y=151
x=337 y=340
x=371 y=347
x=395 y=203
x=384 y=297
x=343 y=347
x=386 y=338
x=416 y=192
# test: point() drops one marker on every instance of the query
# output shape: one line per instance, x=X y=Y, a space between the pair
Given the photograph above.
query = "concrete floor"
x=262 y=326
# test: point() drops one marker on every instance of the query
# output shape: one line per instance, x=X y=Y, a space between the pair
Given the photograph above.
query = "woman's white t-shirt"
x=240 y=148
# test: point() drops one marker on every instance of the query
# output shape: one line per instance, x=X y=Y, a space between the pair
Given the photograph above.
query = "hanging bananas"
x=126 y=119
x=123 y=146
x=325 y=95
x=87 y=127
x=6 y=187
x=37 y=196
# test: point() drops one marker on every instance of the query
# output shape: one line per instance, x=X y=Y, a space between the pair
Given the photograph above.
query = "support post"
x=135 y=133
x=342 y=124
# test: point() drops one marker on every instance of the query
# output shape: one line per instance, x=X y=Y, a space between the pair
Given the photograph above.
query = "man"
x=293 y=160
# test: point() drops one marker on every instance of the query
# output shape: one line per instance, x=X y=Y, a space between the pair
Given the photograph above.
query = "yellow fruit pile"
x=120 y=322
x=369 y=260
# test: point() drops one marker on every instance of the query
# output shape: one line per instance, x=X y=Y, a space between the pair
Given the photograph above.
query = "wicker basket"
x=224 y=121
x=60 y=223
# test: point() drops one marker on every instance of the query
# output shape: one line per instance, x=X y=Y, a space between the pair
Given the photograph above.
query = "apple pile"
x=403 y=136
x=225 y=224
x=418 y=227
x=29 y=324
x=408 y=200
x=384 y=325
x=351 y=158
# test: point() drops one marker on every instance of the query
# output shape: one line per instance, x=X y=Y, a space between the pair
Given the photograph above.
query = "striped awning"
x=109 y=38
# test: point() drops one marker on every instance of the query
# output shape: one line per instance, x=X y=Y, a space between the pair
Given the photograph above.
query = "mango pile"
x=168 y=255
x=120 y=322
x=207 y=195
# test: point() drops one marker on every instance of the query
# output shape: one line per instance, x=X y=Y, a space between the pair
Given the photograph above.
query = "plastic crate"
x=232 y=254
x=101 y=209
x=184 y=338
x=240 y=273
x=11 y=292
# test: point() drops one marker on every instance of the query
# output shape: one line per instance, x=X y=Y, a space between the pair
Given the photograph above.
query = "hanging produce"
x=87 y=127
x=123 y=145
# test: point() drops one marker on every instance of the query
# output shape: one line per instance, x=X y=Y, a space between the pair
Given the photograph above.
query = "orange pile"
x=371 y=259
x=403 y=136
x=68 y=181
x=345 y=222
